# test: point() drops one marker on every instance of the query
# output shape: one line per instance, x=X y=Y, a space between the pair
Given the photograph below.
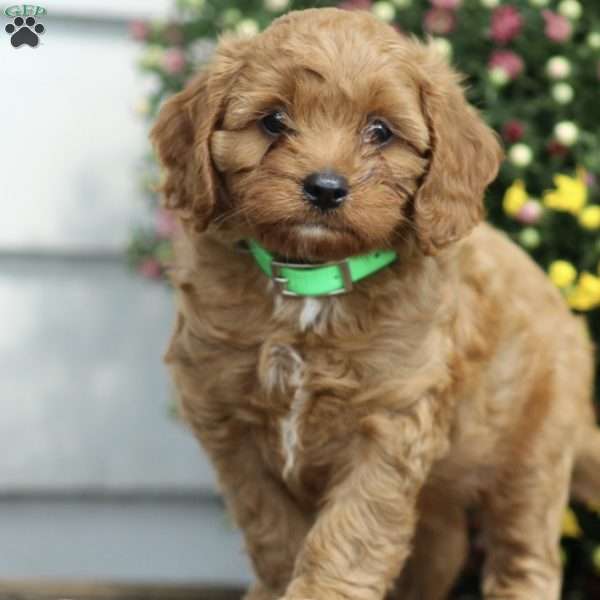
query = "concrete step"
x=160 y=540
x=27 y=590
x=84 y=394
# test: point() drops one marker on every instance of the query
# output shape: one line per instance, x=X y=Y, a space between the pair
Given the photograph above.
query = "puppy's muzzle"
x=326 y=190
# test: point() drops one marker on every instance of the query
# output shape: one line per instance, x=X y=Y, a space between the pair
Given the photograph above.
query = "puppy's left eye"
x=378 y=132
x=274 y=123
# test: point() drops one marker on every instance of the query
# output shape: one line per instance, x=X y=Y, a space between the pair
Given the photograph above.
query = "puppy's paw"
x=312 y=593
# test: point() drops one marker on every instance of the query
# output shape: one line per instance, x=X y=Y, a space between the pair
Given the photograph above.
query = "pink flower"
x=139 y=30
x=506 y=24
x=510 y=62
x=165 y=224
x=512 y=131
x=439 y=20
x=530 y=212
x=150 y=268
x=591 y=179
x=356 y=4
x=173 y=61
x=448 y=4
x=558 y=28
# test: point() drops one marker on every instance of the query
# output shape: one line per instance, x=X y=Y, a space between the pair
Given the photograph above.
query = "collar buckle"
x=282 y=282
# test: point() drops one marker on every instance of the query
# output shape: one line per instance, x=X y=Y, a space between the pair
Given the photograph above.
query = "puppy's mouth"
x=310 y=242
x=316 y=230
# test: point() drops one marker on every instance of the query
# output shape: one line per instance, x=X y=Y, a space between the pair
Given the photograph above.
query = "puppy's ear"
x=465 y=156
x=182 y=134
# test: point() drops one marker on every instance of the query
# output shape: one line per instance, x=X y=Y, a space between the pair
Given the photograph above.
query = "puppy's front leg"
x=272 y=524
x=362 y=535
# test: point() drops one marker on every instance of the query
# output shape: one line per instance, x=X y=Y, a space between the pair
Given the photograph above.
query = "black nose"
x=325 y=190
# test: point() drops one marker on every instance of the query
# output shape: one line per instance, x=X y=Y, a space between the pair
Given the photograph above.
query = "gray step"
x=168 y=540
x=84 y=394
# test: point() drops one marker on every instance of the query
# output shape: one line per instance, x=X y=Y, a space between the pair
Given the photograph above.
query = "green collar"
x=324 y=279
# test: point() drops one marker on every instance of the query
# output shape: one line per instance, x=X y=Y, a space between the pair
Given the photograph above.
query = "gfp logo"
x=25 y=10
x=24 y=29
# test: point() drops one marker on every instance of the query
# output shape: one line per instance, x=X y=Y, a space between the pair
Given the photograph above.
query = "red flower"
x=439 y=20
x=448 y=4
x=511 y=63
x=558 y=28
x=506 y=24
x=512 y=131
x=356 y=5
x=555 y=148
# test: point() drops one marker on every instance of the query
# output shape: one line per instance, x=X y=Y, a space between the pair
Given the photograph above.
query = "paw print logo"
x=24 y=31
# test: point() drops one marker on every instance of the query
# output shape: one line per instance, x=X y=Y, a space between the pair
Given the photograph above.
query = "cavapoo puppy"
x=362 y=359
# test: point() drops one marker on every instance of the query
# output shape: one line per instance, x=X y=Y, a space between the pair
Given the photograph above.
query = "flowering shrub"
x=533 y=68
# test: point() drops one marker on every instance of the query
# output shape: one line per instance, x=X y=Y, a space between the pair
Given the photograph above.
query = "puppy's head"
x=327 y=135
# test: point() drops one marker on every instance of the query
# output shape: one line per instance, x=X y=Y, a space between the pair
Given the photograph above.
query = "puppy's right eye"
x=378 y=132
x=274 y=123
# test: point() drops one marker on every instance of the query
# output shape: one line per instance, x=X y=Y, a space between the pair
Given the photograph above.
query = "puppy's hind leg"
x=586 y=475
x=522 y=526
x=439 y=553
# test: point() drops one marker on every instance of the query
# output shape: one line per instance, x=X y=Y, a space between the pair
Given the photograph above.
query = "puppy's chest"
x=308 y=422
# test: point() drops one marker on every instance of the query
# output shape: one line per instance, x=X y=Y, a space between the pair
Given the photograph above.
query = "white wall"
x=83 y=391
x=71 y=141
x=84 y=396
x=126 y=9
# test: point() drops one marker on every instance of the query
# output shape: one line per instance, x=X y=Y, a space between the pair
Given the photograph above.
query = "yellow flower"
x=579 y=300
x=596 y=559
x=570 y=525
x=590 y=218
x=594 y=508
x=570 y=194
x=514 y=198
x=586 y=295
x=562 y=273
x=590 y=284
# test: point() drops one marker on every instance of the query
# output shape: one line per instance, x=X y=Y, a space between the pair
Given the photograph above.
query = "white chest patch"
x=286 y=373
x=310 y=313
x=290 y=430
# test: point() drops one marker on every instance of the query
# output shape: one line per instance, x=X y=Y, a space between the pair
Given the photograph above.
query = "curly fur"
x=351 y=434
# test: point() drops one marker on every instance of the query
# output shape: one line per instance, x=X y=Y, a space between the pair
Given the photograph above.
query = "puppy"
x=430 y=369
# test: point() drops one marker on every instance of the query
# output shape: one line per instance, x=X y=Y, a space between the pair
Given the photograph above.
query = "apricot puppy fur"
x=352 y=433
